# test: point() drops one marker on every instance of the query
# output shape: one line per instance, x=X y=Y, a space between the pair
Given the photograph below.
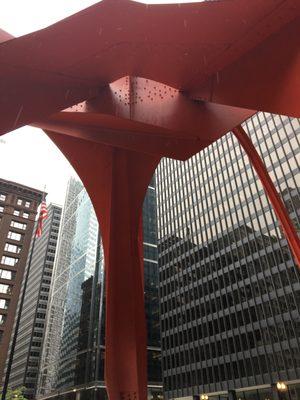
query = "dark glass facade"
x=78 y=366
x=229 y=287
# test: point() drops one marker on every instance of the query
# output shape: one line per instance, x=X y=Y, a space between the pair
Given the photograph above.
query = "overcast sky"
x=42 y=164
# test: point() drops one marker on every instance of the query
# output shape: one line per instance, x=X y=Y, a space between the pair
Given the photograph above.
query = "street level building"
x=18 y=208
x=229 y=287
x=28 y=348
x=72 y=363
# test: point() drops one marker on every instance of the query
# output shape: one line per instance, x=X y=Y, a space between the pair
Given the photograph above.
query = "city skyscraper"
x=55 y=313
x=229 y=287
x=28 y=348
x=74 y=346
x=18 y=208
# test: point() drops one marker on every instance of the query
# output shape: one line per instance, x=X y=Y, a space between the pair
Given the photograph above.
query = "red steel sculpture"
x=121 y=84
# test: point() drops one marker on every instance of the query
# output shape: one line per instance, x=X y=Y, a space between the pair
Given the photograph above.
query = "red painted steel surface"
x=268 y=75
x=147 y=117
x=122 y=84
x=117 y=180
x=179 y=45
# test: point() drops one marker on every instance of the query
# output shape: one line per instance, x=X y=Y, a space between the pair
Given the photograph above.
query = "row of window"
x=255 y=313
x=5 y=289
x=242 y=342
x=258 y=264
x=275 y=280
x=221 y=302
x=232 y=345
x=18 y=225
x=12 y=248
x=235 y=370
x=5 y=274
x=11 y=261
x=38 y=334
x=4 y=304
x=17 y=213
x=14 y=236
x=216 y=304
x=2 y=319
x=208 y=351
x=20 y=202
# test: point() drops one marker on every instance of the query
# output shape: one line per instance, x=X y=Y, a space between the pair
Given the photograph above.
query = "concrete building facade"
x=31 y=331
x=18 y=208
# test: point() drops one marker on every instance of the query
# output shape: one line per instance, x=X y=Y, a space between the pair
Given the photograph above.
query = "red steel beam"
x=117 y=180
x=180 y=45
x=278 y=205
x=147 y=117
x=266 y=78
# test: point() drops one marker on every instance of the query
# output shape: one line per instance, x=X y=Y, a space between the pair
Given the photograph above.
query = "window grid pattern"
x=229 y=288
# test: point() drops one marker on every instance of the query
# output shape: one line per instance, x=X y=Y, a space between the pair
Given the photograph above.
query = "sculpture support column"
x=116 y=180
x=126 y=357
x=278 y=205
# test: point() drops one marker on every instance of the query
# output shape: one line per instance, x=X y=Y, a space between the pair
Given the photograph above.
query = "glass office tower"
x=74 y=347
x=59 y=286
x=229 y=287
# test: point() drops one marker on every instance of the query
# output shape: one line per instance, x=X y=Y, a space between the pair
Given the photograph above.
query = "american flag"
x=43 y=215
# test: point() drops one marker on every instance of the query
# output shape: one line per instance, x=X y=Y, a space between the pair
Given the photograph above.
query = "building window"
x=18 y=225
x=4 y=304
x=19 y=202
x=6 y=289
x=12 y=248
x=14 y=235
x=16 y=213
x=2 y=197
x=25 y=215
x=36 y=344
x=1 y=208
x=27 y=204
x=4 y=274
x=2 y=319
x=9 y=260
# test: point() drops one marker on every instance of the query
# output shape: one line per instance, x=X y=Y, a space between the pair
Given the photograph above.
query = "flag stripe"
x=43 y=215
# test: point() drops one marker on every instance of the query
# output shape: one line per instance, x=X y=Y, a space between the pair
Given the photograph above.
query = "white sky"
x=43 y=164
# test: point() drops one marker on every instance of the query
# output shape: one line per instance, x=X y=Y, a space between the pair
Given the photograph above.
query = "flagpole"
x=16 y=331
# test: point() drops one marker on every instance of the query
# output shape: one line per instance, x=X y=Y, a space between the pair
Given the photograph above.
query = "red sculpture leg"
x=116 y=180
x=125 y=370
x=277 y=203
